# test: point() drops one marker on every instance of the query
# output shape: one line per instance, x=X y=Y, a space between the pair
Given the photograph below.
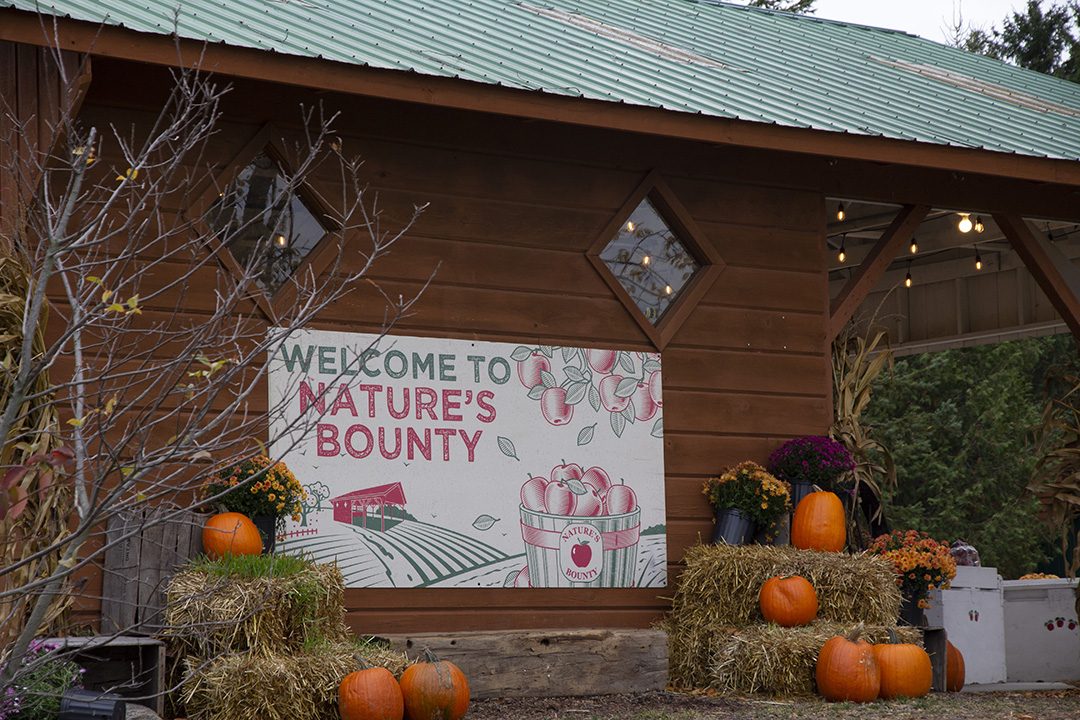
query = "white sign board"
x=448 y=463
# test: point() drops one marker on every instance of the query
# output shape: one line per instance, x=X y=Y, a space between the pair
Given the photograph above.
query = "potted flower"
x=808 y=461
x=922 y=564
x=742 y=498
x=265 y=491
x=40 y=679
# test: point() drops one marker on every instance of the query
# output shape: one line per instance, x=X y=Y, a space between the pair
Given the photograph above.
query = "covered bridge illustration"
x=368 y=508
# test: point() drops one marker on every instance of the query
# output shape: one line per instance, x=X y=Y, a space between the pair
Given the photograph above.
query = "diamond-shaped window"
x=655 y=259
x=264 y=226
x=649 y=261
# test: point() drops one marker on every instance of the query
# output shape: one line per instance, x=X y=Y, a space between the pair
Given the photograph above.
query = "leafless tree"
x=137 y=282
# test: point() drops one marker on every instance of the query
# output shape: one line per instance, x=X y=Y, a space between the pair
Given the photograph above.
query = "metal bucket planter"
x=733 y=527
x=571 y=551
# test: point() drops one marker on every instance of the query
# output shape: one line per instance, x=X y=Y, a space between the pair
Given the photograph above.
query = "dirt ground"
x=1059 y=705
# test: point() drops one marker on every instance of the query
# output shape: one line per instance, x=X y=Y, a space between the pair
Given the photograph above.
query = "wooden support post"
x=897 y=236
x=1056 y=275
x=935 y=640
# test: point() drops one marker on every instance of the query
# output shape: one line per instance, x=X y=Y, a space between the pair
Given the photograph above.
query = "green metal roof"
x=687 y=56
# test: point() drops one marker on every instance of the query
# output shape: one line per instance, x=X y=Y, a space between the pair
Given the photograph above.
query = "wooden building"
x=535 y=129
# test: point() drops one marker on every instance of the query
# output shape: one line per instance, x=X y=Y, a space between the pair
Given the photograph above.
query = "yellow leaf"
x=93 y=279
x=129 y=174
x=110 y=405
x=75 y=422
x=133 y=301
x=115 y=307
x=106 y=295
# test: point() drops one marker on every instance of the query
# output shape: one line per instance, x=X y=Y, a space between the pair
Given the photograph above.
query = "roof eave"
x=121 y=43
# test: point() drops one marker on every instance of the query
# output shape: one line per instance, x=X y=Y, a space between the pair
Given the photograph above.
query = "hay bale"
x=720 y=585
x=209 y=613
x=781 y=661
x=278 y=687
x=690 y=653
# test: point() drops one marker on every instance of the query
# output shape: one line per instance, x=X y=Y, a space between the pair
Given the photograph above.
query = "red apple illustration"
x=566 y=471
x=553 y=406
x=522 y=579
x=1060 y=622
x=1072 y=624
x=529 y=369
x=581 y=554
x=656 y=390
x=559 y=500
x=620 y=500
x=599 y=479
x=1049 y=624
x=644 y=405
x=601 y=361
x=532 y=493
x=608 y=398
x=589 y=504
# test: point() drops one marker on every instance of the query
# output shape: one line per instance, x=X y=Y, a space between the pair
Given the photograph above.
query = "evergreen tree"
x=794 y=6
x=1045 y=40
x=959 y=425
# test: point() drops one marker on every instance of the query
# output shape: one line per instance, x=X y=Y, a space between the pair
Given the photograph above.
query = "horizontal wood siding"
x=505 y=235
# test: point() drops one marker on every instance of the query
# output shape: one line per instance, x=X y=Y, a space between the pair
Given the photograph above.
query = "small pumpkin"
x=819 y=523
x=230 y=533
x=905 y=669
x=371 y=693
x=954 y=668
x=846 y=669
x=788 y=601
x=434 y=689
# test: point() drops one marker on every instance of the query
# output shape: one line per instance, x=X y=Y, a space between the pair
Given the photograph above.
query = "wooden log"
x=537 y=663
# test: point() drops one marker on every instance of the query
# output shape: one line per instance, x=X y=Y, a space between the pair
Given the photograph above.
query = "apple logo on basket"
x=581 y=553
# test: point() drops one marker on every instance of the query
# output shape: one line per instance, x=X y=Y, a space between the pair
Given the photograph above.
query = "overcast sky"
x=927 y=18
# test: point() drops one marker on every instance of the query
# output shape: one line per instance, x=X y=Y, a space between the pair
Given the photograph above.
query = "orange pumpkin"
x=434 y=690
x=819 y=523
x=370 y=694
x=788 y=601
x=905 y=669
x=230 y=534
x=954 y=668
x=846 y=669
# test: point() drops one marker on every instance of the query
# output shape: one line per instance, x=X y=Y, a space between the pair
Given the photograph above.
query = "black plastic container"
x=91 y=705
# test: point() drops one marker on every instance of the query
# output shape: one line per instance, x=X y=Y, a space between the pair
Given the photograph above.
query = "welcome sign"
x=448 y=463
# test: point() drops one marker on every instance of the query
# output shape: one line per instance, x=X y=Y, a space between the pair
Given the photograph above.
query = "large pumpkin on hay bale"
x=954 y=669
x=905 y=669
x=370 y=694
x=788 y=601
x=434 y=689
x=846 y=669
x=819 y=523
x=230 y=533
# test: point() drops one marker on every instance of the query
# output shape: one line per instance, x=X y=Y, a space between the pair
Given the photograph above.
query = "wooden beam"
x=1056 y=275
x=316 y=73
x=897 y=236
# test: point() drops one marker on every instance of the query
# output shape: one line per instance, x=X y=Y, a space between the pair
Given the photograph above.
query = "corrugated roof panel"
x=693 y=56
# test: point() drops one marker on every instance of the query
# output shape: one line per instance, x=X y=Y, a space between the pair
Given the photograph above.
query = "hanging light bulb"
x=978 y=260
x=979 y=227
x=842 y=255
x=907 y=278
x=646 y=260
x=667 y=290
x=630 y=226
x=840 y=214
x=964 y=225
x=914 y=248
x=280 y=240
